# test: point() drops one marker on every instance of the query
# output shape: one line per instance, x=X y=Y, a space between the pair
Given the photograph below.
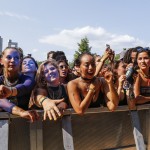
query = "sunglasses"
x=145 y=48
x=63 y=66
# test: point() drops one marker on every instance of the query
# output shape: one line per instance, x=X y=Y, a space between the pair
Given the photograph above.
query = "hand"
x=5 y=91
x=51 y=110
x=111 y=57
x=93 y=84
x=62 y=106
x=132 y=104
x=121 y=80
x=30 y=114
x=107 y=54
x=108 y=75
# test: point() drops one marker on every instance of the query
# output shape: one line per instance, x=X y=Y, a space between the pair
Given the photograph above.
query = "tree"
x=83 y=47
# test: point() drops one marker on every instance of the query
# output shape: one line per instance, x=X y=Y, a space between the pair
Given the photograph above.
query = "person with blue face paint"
x=49 y=93
x=29 y=66
x=15 y=88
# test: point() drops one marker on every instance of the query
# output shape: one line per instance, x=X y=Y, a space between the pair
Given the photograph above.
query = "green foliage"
x=39 y=62
x=83 y=47
x=117 y=57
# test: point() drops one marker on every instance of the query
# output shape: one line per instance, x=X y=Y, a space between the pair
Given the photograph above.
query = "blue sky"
x=41 y=26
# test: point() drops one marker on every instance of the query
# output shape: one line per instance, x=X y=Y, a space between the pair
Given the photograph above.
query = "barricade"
x=98 y=129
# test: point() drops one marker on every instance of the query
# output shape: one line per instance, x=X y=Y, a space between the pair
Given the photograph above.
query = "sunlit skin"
x=28 y=65
x=51 y=75
x=63 y=69
x=97 y=60
x=82 y=91
x=143 y=61
x=88 y=67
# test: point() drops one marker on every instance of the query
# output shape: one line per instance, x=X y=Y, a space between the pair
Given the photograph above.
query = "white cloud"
x=98 y=38
x=10 y=14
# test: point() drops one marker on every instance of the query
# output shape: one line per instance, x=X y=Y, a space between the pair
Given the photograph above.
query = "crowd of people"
x=53 y=86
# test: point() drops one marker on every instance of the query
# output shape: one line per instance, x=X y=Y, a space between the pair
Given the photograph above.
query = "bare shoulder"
x=73 y=82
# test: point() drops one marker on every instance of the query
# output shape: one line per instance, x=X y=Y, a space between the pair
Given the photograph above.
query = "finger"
x=31 y=117
x=45 y=114
x=49 y=115
x=59 y=101
x=53 y=114
x=57 y=111
x=36 y=115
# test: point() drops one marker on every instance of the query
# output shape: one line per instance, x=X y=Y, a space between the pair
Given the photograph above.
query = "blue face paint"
x=11 y=59
x=51 y=73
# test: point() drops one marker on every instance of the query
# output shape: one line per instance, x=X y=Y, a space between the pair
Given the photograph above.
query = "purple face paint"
x=51 y=73
x=11 y=59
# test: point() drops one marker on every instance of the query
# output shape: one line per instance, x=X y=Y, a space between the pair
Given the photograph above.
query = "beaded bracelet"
x=43 y=100
x=93 y=90
x=11 y=91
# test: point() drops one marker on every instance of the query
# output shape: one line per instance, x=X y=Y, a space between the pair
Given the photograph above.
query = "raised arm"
x=106 y=55
x=111 y=96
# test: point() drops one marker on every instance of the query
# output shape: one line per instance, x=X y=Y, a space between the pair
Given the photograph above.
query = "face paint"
x=11 y=59
x=28 y=66
x=51 y=73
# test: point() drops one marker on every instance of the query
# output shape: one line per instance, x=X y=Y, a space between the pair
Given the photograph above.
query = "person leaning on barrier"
x=15 y=88
x=86 y=91
x=49 y=93
x=119 y=71
x=142 y=82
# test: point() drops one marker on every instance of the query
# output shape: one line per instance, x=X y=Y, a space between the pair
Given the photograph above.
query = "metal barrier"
x=98 y=129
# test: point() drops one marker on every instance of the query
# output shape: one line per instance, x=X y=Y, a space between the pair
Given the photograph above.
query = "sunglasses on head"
x=145 y=48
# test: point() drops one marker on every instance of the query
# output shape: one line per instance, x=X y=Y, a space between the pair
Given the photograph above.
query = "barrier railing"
x=97 y=129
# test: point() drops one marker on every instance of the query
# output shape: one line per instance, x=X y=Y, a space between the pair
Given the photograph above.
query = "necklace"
x=12 y=99
x=144 y=75
x=87 y=83
x=10 y=84
x=55 y=92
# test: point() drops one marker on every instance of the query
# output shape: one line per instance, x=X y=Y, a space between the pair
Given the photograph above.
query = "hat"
x=121 y=55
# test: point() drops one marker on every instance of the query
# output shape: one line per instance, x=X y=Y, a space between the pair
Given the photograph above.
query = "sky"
x=41 y=26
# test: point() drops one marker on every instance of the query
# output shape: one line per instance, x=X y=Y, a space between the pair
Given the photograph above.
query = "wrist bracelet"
x=93 y=90
x=43 y=100
x=11 y=91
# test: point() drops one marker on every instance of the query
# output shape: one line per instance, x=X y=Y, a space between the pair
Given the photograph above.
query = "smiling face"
x=87 y=66
x=143 y=61
x=11 y=60
x=51 y=74
x=28 y=66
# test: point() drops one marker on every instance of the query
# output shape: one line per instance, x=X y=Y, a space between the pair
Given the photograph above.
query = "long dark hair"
x=140 y=50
